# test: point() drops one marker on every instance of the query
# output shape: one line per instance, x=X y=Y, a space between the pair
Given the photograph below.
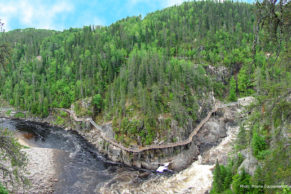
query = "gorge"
x=203 y=87
x=65 y=153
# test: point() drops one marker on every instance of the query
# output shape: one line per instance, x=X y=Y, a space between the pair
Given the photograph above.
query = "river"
x=79 y=168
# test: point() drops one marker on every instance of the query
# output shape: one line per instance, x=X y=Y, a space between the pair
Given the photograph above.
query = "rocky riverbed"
x=180 y=157
x=197 y=178
x=52 y=169
x=41 y=169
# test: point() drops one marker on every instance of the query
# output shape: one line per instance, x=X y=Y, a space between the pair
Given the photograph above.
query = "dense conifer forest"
x=142 y=67
x=139 y=70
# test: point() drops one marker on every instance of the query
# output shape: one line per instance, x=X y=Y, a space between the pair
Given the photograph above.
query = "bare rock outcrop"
x=181 y=156
x=220 y=73
x=249 y=164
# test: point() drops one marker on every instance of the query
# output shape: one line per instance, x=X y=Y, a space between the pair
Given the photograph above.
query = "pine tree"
x=217 y=179
x=258 y=179
x=258 y=144
x=232 y=89
x=242 y=137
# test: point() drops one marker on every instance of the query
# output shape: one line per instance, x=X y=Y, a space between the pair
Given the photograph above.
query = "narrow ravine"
x=197 y=178
x=62 y=161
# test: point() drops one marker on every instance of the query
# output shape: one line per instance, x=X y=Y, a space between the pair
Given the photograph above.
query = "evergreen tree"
x=242 y=137
x=232 y=89
x=241 y=183
x=258 y=144
x=217 y=179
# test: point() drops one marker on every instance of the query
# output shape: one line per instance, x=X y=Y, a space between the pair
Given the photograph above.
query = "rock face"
x=220 y=152
x=185 y=158
x=246 y=101
x=179 y=157
x=249 y=164
x=221 y=74
x=213 y=130
x=216 y=127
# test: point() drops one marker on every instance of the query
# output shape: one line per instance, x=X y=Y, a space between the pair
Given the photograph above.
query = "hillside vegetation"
x=265 y=133
x=158 y=74
x=137 y=70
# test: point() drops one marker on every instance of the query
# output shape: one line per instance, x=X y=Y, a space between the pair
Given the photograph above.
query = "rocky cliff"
x=213 y=131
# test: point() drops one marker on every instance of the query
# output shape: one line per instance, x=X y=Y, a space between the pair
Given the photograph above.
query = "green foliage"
x=286 y=189
x=269 y=117
x=51 y=69
x=232 y=90
x=258 y=179
x=98 y=103
x=134 y=129
x=236 y=162
x=142 y=73
x=219 y=89
x=3 y=189
x=60 y=120
x=8 y=112
x=15 y=159
x=146 y=68
x=218 y=179
x=258 y=145
x=19 y=115
x=222 y=178
x=242 y=139
x=45 y=111
x=277 y=167
x=241 y=183
x=63 y=114
x=244 y=82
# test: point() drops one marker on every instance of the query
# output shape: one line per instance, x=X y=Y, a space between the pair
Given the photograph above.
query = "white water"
x=197 y=178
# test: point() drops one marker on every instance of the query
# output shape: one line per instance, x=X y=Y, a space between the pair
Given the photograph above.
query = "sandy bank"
x=41 y=168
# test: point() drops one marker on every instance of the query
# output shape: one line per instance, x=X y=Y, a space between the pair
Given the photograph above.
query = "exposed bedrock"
x=214 y=130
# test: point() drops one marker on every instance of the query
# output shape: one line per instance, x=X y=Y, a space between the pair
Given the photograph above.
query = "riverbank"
x=212 y=142
x=208 y=133
x=41 y=170
x=212 y=130
x=197 y=178
x=180 y=156
x=42 y=167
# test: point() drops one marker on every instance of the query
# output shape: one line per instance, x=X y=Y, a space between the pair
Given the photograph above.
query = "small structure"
x=163 y=168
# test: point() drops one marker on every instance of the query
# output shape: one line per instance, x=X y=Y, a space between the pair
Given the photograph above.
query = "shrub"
x=241 y=183
x=3 y=189
x=19 y=115
x=8 y=112
x=63 y=114
x=222 y=178
x=258 y=144
x=232 y=90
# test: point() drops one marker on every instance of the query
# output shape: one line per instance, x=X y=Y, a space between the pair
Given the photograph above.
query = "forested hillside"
x=136 y=70
x=146 y=75
x=265 y=132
